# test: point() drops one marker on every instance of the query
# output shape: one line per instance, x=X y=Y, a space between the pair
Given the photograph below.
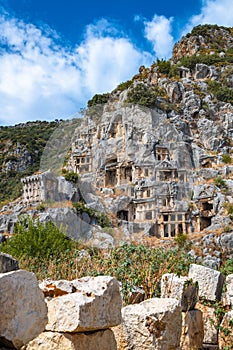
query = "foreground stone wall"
x=87 y=313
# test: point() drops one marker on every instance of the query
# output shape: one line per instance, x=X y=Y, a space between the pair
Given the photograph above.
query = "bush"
x=71 y=176
x=123 y=86
x=142 y=95
x=36 y=240
x=98 y=99
x=164 y=67
x=226 y=158
x=220 y=182
x=101 y=218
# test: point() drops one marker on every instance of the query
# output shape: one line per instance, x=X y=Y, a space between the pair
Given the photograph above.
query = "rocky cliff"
x=155 y=154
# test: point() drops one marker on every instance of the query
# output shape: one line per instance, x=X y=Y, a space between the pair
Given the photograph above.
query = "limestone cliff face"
x=157 y=154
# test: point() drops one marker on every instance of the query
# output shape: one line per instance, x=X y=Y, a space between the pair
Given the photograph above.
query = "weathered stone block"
x=99 y=340
x=225 y=339
x=192 y=330
x=137 y=295
x=210 y=281
x=23 y=309
x=180 y=288
x=210 y=324
x=95 y=305
x=229 y=290
x=153 y=324
x=8 y=263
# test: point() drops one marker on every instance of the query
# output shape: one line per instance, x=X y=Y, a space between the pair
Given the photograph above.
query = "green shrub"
x=226 y=158
x=142 y=95
x=36 y=240
x=98 y=99
x=71 y=176
x=101 y=218
x=164 y=67
x=220 y=182
x=123 y=86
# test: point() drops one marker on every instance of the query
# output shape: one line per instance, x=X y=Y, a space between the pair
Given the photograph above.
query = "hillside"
x=21 y=148
x=154 y=155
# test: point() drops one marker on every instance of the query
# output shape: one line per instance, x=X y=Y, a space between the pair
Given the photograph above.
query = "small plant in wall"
x=70 y=176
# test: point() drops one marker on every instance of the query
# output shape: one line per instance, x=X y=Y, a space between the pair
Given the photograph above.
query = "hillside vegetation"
x=21 y=148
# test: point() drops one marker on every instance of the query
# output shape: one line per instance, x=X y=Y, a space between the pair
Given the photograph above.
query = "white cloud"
x=213 y=12
x=158 y=32
x=42 y=79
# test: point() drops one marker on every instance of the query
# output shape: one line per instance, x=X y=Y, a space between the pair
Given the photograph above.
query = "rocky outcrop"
x=23 y=309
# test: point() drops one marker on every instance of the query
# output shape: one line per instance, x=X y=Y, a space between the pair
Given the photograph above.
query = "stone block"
x=192 y=330
x=8 y=263
x=99 y=340
x=180 y=288
x=137 y=295
x=95 y=304
x=23 y=309
x=153 y=324
x=225 y=339
x=210 y=323
x=229 y=290
x=210 y=282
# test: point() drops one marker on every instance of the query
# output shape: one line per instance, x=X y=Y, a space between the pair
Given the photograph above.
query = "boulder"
x=99 y=340
x=23 y=309
x=192 y=330
x=95 y=304
x=8 y=263
x=153 y=324
x=180 y=288
x=210 y=281
x=210 y=324
x=226 y=332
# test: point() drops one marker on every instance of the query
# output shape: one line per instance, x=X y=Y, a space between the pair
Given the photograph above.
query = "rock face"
x=100 y=340
x=153 y=324
x=23 y=309
x=210 y=281
x=95 y=304
x=7 y=263
x=180 y=288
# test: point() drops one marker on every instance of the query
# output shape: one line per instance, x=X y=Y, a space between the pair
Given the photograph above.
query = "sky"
x=56 y=54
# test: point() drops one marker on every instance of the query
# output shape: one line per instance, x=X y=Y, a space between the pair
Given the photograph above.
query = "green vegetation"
x=30 y=139
x=221 y=92
x=203 y=30
x=123 y=86
x=41 y=248
x=98 y=99
x=226 y=158
x=71 y=176
x=220 y=182
x=101 y=218
x=164 y=67
x=142 y=95
x=33 y=239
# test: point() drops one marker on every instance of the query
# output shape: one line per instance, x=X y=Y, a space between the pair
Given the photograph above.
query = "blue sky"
x=55 y=55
